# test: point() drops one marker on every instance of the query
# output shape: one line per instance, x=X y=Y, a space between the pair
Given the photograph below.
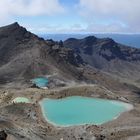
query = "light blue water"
x=40 y=82
x=77 y=110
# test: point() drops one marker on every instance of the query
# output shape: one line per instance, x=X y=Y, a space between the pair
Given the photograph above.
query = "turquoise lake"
x=77 y=110
x=40 y=82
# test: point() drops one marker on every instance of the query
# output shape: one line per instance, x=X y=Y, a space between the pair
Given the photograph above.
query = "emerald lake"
x=77 y=110
x=21 y=100
x=40 y=82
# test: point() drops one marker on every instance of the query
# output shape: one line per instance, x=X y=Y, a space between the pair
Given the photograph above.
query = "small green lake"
x=77 y=110
x=21 y=100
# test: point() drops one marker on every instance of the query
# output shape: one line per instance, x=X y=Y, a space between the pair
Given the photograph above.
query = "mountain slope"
x=24 y=56
x=107 y=55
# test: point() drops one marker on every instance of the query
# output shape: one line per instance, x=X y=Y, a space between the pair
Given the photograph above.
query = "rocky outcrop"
x=3 y=135
x=66 y=54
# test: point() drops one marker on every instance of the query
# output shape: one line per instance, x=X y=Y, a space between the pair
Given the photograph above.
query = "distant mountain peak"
x=15 y=32
x=12 y=26
x=90 y=38
x=102 y=48
x=15 y=24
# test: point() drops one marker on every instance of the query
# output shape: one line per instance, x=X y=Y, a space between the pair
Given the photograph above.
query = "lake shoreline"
x=127 y=107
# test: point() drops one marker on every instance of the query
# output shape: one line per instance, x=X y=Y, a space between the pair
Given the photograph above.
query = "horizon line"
x=88 y=33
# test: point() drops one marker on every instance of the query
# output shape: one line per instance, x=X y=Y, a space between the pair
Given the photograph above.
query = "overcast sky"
x=73 y=16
